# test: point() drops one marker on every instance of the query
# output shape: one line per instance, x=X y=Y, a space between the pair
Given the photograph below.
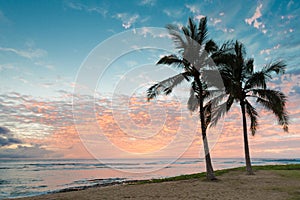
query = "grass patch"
x=292 y=174
x=291 y=171
x=287 y=170
x=293 y=191
x=278 y=167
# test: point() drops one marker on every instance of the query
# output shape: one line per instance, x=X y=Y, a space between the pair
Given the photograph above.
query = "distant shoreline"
x=269 y=180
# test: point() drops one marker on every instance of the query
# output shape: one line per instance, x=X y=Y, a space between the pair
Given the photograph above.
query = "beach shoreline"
x=270 y=182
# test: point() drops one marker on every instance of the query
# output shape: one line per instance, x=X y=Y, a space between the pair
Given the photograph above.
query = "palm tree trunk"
x=209 y=168
x=246 y=144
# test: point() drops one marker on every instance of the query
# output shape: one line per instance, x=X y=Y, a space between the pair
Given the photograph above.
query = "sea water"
x=21 y=178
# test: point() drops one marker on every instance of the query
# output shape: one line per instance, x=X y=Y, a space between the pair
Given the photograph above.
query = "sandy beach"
x=266 y=184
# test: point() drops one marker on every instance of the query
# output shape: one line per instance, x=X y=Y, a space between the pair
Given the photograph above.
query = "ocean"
x=22 y=178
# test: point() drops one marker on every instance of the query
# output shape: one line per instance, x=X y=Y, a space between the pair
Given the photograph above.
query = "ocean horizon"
x=23 y=178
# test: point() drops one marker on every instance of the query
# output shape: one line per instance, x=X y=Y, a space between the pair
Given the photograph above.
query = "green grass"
x=292 y=174
x=292 y=190
x=286 y=168
x=278 y=167
x=291 y=171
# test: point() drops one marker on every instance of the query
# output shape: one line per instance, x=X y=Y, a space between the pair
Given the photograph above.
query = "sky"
x=50 y=49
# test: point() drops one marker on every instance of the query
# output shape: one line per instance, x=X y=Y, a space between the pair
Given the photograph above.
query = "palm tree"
x=244 y=85
x=194 y=49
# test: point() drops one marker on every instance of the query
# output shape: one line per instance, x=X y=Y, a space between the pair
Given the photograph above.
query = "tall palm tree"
x=194 y=49
x=244 y=85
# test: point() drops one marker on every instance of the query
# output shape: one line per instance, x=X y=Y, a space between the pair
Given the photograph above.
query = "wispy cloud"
x=193 y=8
x=268 y=51
x=127 y=19
x=255 y=19
x=153 y=33
x=228 y=30
x=174 y=13
x=7 y=67
x=255 y=16
x=215 y=21
x=45 y=65
x=198 y=17
x=220 y=23
x=83 y=7
x=148 y=2
x=29 y=53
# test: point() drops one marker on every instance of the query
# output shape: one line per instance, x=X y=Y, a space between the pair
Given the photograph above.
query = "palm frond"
x=192 y=28
x=225 y=49
x=177 y=62
x=240 y=51
x=186 y=31
x=218 y=109
x=188 y=37
x=238 y=68
x=252 y=113
x=257 y=79
x=176 y=36
x=202 y=31
x=274 y=101
x=232 y=85
x=213 y=95
x=213 y=78
x=193 y=102
x=166 y=86
x=171 y=60
x=249 y=66
x=277 y=67
x=210 y=46
x=229 y=102
x=217 y=113
x=274 y=96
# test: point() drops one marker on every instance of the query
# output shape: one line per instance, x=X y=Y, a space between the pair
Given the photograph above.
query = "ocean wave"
x=2 y=182
x=281 y=160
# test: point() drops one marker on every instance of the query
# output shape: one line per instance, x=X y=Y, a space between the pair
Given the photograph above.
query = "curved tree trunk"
x=246 y=144
x=209 y=168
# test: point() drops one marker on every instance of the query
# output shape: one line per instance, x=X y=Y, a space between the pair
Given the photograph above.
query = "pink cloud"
x=146 y=127
x=255 y=16
x=254 y=20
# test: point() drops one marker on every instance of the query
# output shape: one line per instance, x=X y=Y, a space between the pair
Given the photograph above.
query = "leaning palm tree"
x=194 y=49
x=244 y=85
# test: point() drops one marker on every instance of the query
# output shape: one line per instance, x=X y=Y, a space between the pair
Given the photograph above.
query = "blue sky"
x=43 y=44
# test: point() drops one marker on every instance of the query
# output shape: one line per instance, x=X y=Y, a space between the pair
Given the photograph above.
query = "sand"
x=232 y=185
